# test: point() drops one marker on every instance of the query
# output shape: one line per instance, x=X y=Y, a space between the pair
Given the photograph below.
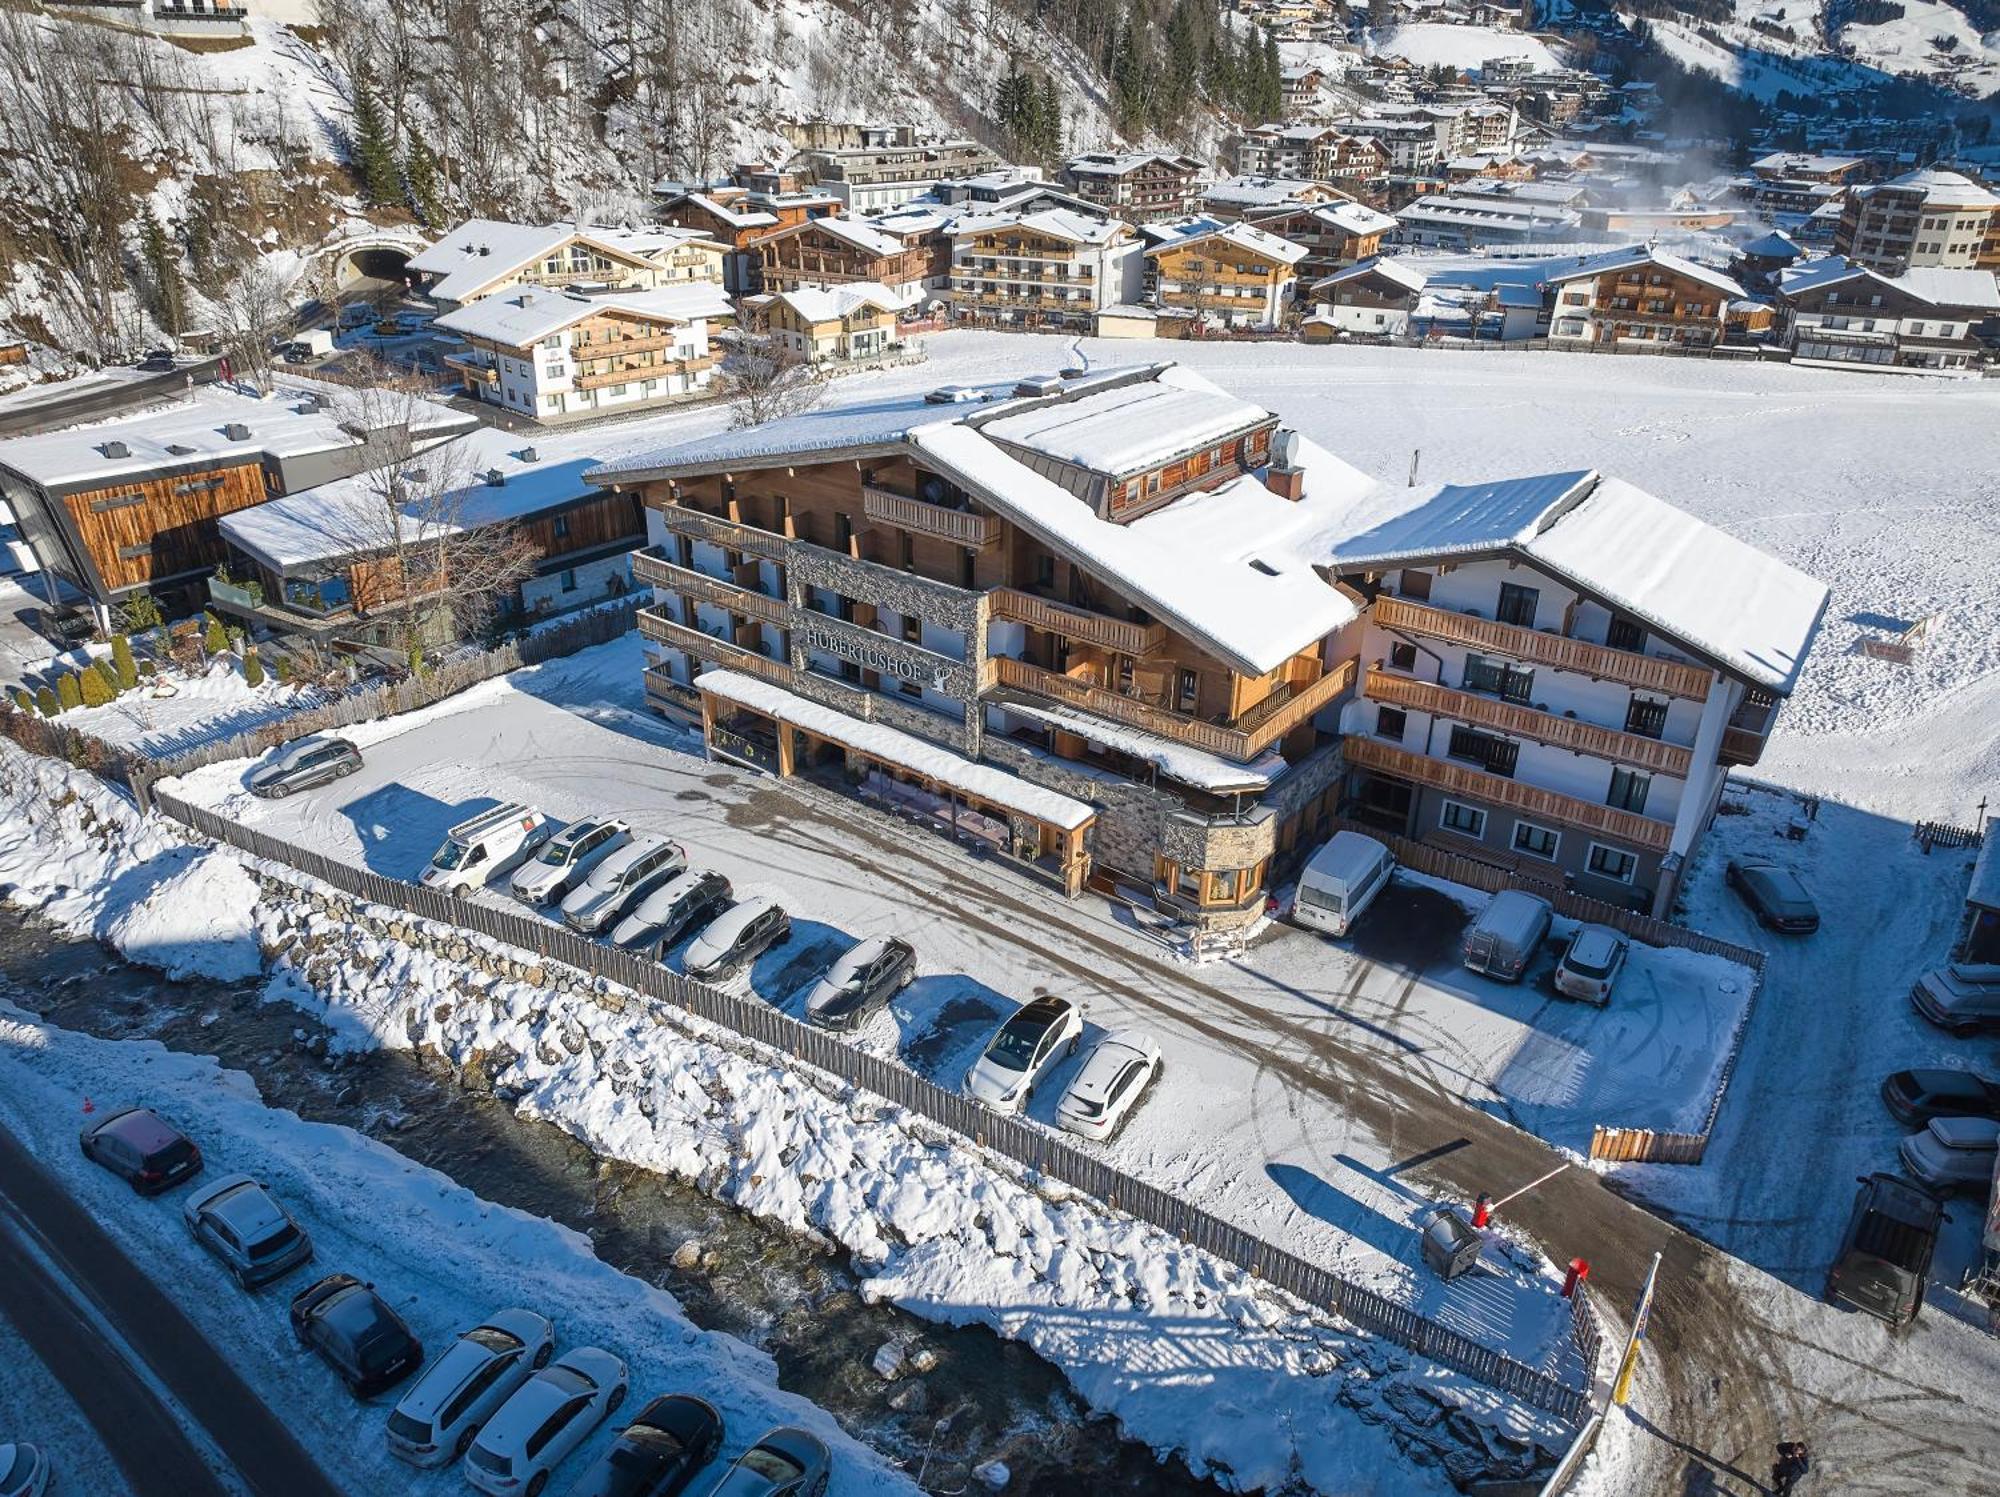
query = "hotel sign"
x=890 y=657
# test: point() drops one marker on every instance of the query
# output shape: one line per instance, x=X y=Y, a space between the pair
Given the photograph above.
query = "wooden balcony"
x=656 y=571
x=1081 y=624
x=657 y=627
x=1600 y=662
x=961 y=526
x=1740 y=746
x=1243 y=741
x=653 y=369
x=1526 y=722
x=611 y=348
x=1460 y=779
x=718 y=531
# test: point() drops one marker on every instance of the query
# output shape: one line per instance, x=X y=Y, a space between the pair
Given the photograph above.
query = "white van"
x=1340 y=881
x=1507 y=934
x=492 y=843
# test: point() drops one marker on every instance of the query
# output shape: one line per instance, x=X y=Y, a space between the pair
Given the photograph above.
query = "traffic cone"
x=1482 y=1211
x=88 y=1107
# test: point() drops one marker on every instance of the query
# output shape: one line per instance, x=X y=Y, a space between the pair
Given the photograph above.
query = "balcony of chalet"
x=1545 y=647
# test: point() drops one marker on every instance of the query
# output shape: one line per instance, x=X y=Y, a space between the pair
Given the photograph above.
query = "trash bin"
x=1451 y=1247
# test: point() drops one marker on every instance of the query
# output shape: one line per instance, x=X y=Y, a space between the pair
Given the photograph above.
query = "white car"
x=1027 y=1045
x=437 y=1419
x=480 y=849
x=548 y=1416
x=1590 y=966
x=620 y=881
x=567 y=858
x=24 y=1470
x=1953 y=1155
x=1110 y=1084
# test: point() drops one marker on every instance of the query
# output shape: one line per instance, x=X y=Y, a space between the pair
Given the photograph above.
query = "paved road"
x=102 y=400
x=61 y=1314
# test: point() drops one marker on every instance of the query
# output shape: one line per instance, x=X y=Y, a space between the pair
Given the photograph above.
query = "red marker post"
x=1579 y=1270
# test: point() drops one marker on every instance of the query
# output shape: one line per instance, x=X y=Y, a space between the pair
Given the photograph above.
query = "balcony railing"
x=655 y=570
x=718 y=531
x=657 y=627
x=1526 y=722
x=656 y=369
x=1623 y=826
x=1075 y=623
x=1601 y=662
x=611 y=348
x=963 y=526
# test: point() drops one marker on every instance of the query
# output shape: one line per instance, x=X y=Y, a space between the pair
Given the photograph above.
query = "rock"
x=888 y=1363
x=911 y=1398
x=687 y=1255
x=922 y=1359
x=1414 y=1403
x=992 y=1475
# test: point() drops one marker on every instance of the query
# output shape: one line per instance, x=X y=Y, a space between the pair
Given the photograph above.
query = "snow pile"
x=167 y=715
x=195 y=922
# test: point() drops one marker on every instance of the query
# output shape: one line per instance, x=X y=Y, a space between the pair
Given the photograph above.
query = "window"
x=1646 y=717
x=1536 y=841
x=473 y=1390
x=569 y=579
x=1518 y=604
x=562 y=527
x=1390 y=723
x=1469 y=820
x=1187 y=691
x=1414 y=584
x=1495 y=755
x=1498 y=678
x=1402 y=656
x=1628 y=790
x=1624 y=634
x=1126 y=682
x=967 y=561
x=913 y=629
x=1612 y=863
x=1222 y=885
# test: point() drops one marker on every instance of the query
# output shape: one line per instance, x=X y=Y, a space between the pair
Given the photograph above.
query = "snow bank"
x=195 y=922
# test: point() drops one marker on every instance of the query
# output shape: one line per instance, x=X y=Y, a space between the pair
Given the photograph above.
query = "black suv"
x=356 y=1334
x=143 y=1149
x=861 y=981
x=1885 y=1258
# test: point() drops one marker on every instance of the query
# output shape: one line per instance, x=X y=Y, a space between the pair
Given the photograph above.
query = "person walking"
x=1792 y=1464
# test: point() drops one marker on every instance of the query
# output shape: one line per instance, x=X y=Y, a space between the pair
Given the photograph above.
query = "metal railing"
x=1026 y=1144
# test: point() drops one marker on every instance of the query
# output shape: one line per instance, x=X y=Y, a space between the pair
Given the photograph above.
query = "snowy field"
x=1466 y=48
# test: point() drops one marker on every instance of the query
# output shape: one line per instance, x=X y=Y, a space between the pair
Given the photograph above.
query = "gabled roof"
x=736 y=218
x=1403 y=273
x=1627 y=259
x=1965 y=290
x=835 y=302
x=1776 y=245
x=1056 y=223
x=519 y=316
x=481 y=251
x=1124 y=163
x=1268 y=192
x=1242 y=236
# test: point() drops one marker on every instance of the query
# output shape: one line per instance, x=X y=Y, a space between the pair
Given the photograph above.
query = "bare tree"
x=764 y=380
x=251 y=310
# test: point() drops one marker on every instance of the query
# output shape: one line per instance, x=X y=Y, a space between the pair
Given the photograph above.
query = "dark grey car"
x=1775 y=895
x=1885 y=1258
x=867 y=976
x=302 y=765
x=241 y=1223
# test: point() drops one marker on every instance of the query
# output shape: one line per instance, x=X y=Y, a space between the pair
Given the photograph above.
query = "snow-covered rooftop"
x=1056 y=223
x=830 y=304
x=522 y=315
x=1976 y=290
x=1265 y=192
x=1941 y=189
x=863 y=236
x=1984 y=890
x=1124 y=163
x=1242 y=236
x=482 y=250
x=1638 y=255
x=1128 y=428
x=1171 y=757
x=1404 y=273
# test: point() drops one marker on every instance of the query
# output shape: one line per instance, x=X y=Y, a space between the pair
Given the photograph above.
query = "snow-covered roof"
x=522 y=315
x=1775 y=245
x=1176 y=760
x=1941 y=189
x=1974 y=290
x=1720 y=597
x=863 y=236
x=1056 y=223
x=347 y=517
x=1487 y=212
x=736 y=218
x=1352 y=218
x=1637 y=255
x=1242 y=236
x=1804 y=165
x=1403 y=272
x=1265 y=192
x=891 y=746
x=482 y=250
x=1124 y=163
x=832 y=303
x=1129 y=428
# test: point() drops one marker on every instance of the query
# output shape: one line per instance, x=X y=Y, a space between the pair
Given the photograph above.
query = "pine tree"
x=92 y=688
x=283 y=666
x=253 y=670
x=45 y=700
x=374 y=159
x=1049 y=121
x=420 y=173
x=215 y=638
x=69 y=691
x=417 y=666
x=24 y=699
x=162 y=261
x=103 y=669
x=122 y=662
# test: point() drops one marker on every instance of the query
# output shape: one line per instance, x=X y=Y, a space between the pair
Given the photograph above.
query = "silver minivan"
x=1509 y=931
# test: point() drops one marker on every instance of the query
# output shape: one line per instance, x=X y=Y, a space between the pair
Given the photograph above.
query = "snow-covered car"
x=667 y=1444
x=142 y=1148
x=438 y=1417
x=620 y=881
x=1915 y=1097
x=1008 y=1069
x=243 y=1224
x=547 y=1417
x=1108 y=1087
x=303 y=765
x=24 y=1470
x=1775 y=894
x=733 y=939
x=567 y=858
x=1590 y=966
x=355 y=1333
x=785 y=1463
x=860 y=981
x=1953 y=1154
x=692 y=900
x=1963 y=997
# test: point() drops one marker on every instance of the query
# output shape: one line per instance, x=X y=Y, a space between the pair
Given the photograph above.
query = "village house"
x=1798 y=166
x=1374 y=299
x=1316 y=153
x=344 y=560
x=1759 y=263
x=553 y=355
x=482 y=257
x=1922 y=218
x=1331 y=234
x=838 y=251
x=1232 y=273
x=1474 y=220
x=131 y=506
x=872 y=167
x=1302 y=87
x=1047 y=269
x=1135 y=185
x=1836 y=312
x=1639 y=297
x=843 y=324
x=1240 y=197
x=738 y=216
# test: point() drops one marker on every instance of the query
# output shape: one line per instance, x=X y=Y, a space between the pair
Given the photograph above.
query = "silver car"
x=302 y=765
x=620 y=881
x=241 y=1223
x=568 y=858
x=437 y=1420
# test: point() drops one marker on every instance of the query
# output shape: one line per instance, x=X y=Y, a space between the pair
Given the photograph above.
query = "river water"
x=986 y=1398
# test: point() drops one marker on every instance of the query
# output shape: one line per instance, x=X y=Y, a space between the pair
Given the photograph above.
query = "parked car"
x=1915 y=1097
x=1953 y=1155
x=481 y=847
x=1775 y=894
x=548 y=1416
x=1963 y=997
x=1011 y=1065
x=1885 y=1258
x=692 y=900
x=865 y=977
x=243 y=1224
x=567 y=858
x=736 y=937
x=142 y=1149
x=440 y=1414
x=1114 y=1076
x=658 y=1453
x=303 y=765
x=785 y=1463
x=156 y=361
x=1340 y=881
x=355 y=1333
x=620 y=881
x=1590 y=966
x=1509 y=931
x=24 y=1470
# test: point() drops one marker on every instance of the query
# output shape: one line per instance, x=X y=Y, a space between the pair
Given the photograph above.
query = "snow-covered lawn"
x=170 y=713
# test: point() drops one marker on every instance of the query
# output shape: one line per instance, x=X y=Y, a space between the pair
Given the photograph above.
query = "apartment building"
x=1048 y=269
x=1472 y=220
x=483 y=257
x=554 y=355
x=1922 y=218
x=1332 y=235
x=1836 y=312
x=1557 y=673
x=738 y=217
x=1803 y=166
x=1639 y=297
x=842 y=324
x=840 y=251
x=1318 y=153
x=1234 y=274
x=1303 y=88
x=883 y=166
x=1136 y=186
x=1414 y=144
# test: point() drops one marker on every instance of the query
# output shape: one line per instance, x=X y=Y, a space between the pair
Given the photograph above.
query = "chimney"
x=1284 y=477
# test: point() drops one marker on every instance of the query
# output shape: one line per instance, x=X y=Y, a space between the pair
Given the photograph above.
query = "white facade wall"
x=540 y=382
x=572 y=587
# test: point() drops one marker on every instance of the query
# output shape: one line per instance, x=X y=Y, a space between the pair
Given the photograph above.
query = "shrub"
x=46 y=703
x=24 y=699
x=417 y=667
x=215 y=639
x=69 y=691
x=253 y=669
x=91 y=685
x=143 y=612
x=148 y=668
x=283 y=666
x=122 y=662
x=112 y=684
